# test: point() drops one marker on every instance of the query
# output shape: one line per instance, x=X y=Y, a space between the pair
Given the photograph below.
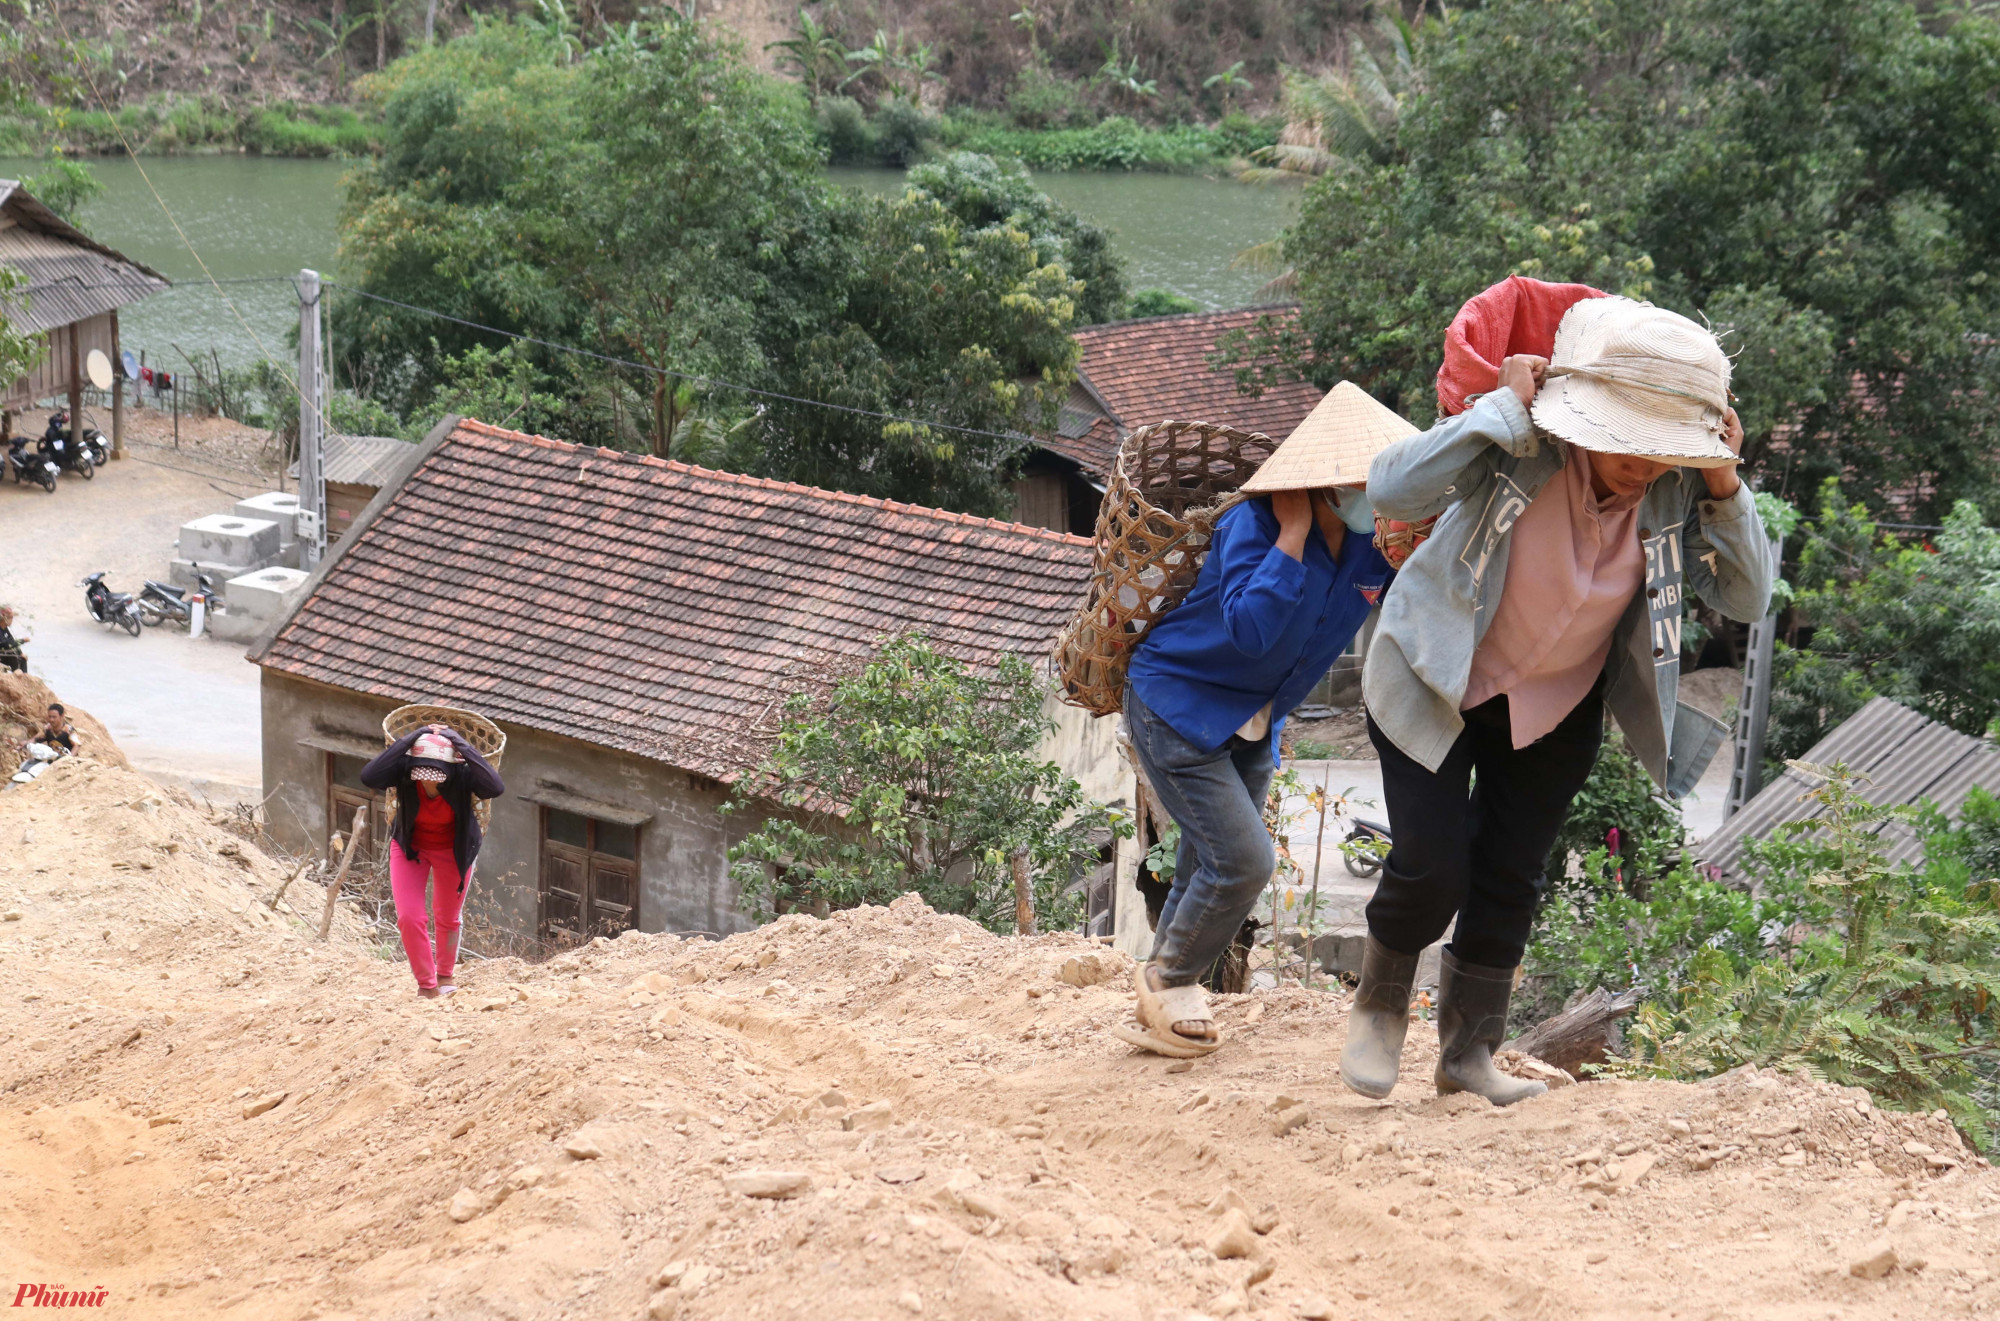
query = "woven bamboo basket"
x=480 y=732
x=1169 y=484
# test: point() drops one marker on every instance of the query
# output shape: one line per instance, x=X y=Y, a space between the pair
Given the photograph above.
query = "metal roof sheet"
x=1906 y=759
x=71 y=276
x=364 y=460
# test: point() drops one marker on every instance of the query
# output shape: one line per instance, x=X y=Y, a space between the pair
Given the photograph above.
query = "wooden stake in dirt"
x=1024 y=894
x=346 y=859
x=304 y=867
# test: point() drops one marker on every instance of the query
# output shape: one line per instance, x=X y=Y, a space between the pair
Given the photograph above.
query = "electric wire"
x=710 y=382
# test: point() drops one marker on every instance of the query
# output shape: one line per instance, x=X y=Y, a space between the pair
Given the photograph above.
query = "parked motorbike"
x=1366 y=861
x=57 y=447
x=159 y=602
x=28 y=467
x=93 y=439
x=109 y=607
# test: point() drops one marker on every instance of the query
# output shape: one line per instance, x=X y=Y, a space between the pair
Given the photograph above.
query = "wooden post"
x=304 y=867
x=75 y=384
x=117 y=392
x=339 y=877
x=1024 y=894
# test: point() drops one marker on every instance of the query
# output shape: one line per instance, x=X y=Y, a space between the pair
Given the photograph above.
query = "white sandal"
x=1159 y=1010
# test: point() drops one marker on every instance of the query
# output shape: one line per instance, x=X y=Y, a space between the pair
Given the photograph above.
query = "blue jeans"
x=1225 y=856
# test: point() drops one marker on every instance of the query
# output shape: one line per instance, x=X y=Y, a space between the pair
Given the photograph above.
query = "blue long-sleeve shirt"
x=1258 y=626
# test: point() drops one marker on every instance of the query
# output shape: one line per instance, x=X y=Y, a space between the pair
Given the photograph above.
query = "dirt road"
x=184 y=709
x=889 y=1113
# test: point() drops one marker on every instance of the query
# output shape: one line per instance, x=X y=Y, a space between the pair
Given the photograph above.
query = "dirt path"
x=963 y=1138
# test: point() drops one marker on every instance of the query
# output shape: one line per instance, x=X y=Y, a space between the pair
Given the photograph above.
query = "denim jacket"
x=1480 y=470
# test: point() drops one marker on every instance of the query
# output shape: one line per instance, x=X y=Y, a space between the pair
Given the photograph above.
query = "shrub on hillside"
x=1887 y=978
x=917 y=774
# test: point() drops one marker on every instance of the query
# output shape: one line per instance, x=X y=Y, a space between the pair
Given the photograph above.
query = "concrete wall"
x=1086 y=747
x=683 y=846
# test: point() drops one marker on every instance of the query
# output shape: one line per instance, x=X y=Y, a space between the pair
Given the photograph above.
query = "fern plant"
x=1892 y=987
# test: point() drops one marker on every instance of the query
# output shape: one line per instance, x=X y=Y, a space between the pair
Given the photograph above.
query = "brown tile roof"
x=661 y=609
x=1157 y=368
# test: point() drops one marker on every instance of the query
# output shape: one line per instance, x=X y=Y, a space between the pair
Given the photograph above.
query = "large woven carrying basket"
x=480 y=732
x=1169 y=484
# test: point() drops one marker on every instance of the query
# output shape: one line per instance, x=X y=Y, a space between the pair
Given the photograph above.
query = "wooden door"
x=614 y=895
x=565 y=898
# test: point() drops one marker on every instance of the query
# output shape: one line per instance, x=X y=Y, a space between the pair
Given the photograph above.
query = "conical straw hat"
x=1333 y=446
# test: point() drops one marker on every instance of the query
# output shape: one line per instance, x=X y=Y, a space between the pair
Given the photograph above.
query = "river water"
x=252 y=222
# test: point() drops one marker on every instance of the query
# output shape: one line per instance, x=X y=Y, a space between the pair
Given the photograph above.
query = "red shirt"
x=437 y=824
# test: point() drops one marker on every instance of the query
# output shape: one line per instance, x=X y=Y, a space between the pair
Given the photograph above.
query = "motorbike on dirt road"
x=92 y=439
x=58 y=447
x=30 y=467
x=159 y=602
x=120 y=609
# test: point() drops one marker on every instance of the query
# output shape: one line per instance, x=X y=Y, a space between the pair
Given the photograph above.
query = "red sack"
x=1517 y=315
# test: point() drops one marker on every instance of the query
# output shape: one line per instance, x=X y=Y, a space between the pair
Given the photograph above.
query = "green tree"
x=65 y=187
x=918 y=774
x=1918 y=623
x=939 y=321
x=1816 y=178
x=18 y=352
x=657 y=202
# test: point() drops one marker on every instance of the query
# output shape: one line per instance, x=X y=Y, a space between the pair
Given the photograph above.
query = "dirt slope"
x=964 y=1139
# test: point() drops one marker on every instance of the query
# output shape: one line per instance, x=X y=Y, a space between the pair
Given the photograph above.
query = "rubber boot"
x=1472 y=1022
x=1378 y=1020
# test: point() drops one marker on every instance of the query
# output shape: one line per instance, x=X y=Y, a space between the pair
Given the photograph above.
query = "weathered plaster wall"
x=1086 y=746
x=683 y=846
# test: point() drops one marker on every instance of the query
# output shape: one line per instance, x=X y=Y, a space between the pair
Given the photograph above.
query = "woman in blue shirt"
x=1290 y=577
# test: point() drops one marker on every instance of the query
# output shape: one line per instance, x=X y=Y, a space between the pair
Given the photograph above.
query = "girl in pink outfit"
x=436 y=775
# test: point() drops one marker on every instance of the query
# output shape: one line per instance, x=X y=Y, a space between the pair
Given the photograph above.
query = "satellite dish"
x=131 y=364
x=98 y=368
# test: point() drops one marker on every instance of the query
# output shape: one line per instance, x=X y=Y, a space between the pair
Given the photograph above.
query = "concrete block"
x=181 y=572
x=235 y=628
x=279 y=507
x=265 y=594
x=242 y=543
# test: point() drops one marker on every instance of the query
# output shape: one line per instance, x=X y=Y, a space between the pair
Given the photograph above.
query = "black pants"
x=1478 y=850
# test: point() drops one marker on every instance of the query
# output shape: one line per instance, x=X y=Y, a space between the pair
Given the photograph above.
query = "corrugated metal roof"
x=364 y=460
x=1905 y=758
x=71 y=276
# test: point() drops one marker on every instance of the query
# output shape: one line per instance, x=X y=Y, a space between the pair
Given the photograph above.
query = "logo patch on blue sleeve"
x=1371 y=592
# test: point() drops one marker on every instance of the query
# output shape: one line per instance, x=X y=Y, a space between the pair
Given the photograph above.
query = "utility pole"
x=311 y=519
x=1753 y=711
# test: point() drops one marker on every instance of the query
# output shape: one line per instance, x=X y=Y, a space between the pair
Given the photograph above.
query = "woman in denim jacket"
x=1550 y=592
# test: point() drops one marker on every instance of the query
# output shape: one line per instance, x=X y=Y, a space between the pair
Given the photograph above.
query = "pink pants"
x=406 y=884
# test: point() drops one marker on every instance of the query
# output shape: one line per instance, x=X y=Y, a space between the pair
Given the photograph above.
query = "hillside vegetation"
x=279 y=76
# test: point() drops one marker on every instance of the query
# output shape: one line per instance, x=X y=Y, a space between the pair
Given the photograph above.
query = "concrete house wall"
x=684 y=840
x=684 y=881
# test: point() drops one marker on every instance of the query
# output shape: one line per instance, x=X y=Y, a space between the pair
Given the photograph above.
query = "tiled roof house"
x=635 y=626
x=1135 y=373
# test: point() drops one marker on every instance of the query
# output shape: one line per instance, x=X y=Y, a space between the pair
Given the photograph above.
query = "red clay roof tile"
x=654 y=607
x=1157 y=368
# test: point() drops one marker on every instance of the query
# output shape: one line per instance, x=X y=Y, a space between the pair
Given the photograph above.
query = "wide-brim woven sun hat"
x=1631 y=378
x=1333 y=446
